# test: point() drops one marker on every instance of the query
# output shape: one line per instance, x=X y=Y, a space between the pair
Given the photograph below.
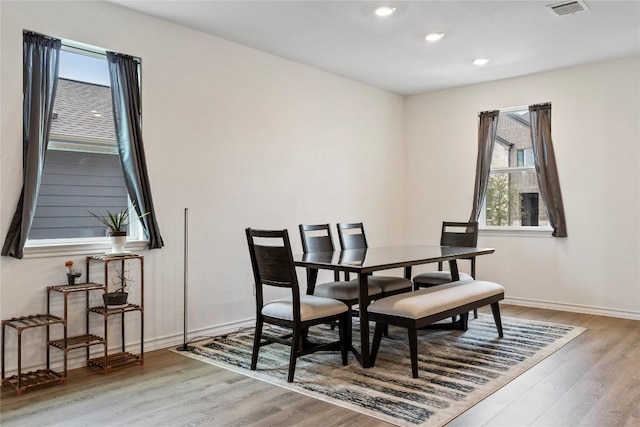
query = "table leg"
x=455 y=276
x=312 y=277
x=363 y=302
x=453 y=267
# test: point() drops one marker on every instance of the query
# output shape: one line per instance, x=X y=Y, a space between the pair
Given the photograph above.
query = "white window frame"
x=136 y=241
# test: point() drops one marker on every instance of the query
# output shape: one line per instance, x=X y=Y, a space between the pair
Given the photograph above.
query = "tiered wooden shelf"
x=23 y=381
x=115 y=360
x=83 y=341
x=33 y=379
x=123 y=357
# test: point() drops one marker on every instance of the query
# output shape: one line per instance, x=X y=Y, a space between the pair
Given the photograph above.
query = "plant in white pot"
x=116 y=223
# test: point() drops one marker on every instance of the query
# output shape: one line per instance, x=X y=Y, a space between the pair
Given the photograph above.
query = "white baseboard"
x=199 y=334
x=574 y=308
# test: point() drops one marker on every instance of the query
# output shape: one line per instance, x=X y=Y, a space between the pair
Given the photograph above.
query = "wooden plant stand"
x=22 y=381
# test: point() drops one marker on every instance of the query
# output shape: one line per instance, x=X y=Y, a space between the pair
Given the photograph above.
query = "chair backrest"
x=352 y=235
x=272 y=263
x=463 y=234
x=316 y=238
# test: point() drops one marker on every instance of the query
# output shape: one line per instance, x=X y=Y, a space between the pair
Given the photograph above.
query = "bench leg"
x=464 y=321
x=375 y=345
x=495 y=309
x=413 y=351
x=345 y=344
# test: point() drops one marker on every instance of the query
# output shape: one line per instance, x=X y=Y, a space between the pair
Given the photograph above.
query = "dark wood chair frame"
x=273 y=266
x=324 y=243
x=467 y=238
x=320 y=243
x=358 y=240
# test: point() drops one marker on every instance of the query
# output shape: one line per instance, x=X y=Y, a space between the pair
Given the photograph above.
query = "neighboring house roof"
x=83 y=110
x=503 y=141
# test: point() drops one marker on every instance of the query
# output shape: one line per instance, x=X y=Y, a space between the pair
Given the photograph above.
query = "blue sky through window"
x=84 y=68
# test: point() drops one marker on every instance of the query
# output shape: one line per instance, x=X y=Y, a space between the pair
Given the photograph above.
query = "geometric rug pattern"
x=457 y=369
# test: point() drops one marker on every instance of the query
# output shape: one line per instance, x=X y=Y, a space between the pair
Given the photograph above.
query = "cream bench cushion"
x=437 y=299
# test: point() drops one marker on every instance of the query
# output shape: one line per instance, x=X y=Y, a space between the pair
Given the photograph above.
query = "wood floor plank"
x=592 y=381
x=478 y=415
x=524 y=410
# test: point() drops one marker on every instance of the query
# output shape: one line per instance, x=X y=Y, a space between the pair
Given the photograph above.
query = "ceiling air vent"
x=567 y=8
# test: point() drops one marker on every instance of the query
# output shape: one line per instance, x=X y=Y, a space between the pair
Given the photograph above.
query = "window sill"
x=516 y=231
x=93 y=248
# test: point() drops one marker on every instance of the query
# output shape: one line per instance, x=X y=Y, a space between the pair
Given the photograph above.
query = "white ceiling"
x=345 y=38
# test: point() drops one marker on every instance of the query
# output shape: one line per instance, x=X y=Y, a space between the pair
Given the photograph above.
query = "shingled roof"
x=83 y=110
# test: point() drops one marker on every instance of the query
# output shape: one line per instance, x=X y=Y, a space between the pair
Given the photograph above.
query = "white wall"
x=595 y=130
x=240 y=137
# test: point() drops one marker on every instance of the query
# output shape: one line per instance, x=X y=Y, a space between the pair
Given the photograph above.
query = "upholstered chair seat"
x=437 y=278
x=311 y=307
x=389 y=284
x=344 y=291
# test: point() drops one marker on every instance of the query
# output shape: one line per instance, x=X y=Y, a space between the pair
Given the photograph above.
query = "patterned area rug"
x=456 y=369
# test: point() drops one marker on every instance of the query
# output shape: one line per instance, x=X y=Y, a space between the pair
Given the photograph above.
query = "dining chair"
x=352 y=236
x=317 y=238
x=462 y=234
x=272 y=263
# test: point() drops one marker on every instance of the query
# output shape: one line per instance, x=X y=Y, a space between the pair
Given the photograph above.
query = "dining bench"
x=420 y=309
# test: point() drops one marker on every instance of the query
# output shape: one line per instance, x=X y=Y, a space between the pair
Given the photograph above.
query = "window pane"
x=528 y=157
x=72 y=184
x=513 y=200
x=84 y=68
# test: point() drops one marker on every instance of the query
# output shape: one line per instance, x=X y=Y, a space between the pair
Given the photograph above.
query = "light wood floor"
x=592 y=381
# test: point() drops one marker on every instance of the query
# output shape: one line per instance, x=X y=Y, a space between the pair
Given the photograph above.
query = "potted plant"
x=116 y=223
x=72 y=273
x=120 y=295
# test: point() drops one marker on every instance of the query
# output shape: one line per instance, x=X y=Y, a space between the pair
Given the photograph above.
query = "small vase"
x=71 y=278
x=118 y=241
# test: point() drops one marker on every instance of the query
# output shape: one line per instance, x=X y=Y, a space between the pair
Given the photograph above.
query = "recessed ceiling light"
x=384 y=10
x=433 y=37
x=480 y=61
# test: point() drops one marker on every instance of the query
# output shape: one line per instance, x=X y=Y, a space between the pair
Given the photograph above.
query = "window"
x=525 y=157
x=512 y=199
x=82 y=170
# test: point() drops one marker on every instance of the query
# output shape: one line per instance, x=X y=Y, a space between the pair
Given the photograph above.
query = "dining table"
x=364 y=262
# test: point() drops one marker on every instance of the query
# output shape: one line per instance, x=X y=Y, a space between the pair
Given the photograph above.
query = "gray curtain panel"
x=41 y=61
x=547 y=171
x=487 y=128
x=125 y=91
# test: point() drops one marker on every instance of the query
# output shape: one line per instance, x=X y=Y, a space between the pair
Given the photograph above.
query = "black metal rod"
x=184 y=346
